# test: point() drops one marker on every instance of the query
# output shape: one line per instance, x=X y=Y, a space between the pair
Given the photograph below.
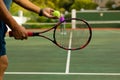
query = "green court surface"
x=39 y=59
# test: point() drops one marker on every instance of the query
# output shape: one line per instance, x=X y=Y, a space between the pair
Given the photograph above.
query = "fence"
x=100 y=18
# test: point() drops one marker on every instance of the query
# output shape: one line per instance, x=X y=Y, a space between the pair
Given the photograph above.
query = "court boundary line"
x=68 y=55
x=68 y=62
x=60 y=73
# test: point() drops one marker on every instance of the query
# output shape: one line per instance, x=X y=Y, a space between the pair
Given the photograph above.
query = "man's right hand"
x=20 y=33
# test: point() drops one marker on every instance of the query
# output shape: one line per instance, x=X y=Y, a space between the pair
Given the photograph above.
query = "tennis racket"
x=70 y=34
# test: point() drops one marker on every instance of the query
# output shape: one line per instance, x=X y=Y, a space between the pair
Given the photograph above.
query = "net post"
x=73 y=16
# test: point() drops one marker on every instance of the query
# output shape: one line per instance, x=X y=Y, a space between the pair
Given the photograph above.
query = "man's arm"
x=18 y=31
x=6 y=16
x=28 y=5
x=47 y=12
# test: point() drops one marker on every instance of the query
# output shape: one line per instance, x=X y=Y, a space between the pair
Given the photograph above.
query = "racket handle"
x=33 y=34
x=10 y=34
x=29 y=34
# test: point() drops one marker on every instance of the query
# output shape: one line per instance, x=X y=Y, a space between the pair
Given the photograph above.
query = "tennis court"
x=39 y=59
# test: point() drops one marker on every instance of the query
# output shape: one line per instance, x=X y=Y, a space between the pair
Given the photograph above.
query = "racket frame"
x=54 y=35
x=54 y=31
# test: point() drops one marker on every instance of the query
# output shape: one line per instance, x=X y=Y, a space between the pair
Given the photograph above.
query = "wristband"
x=41 y=12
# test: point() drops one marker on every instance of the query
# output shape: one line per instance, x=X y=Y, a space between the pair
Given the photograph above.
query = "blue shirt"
x=7 y=3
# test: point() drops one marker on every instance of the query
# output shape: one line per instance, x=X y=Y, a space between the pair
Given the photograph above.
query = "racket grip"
x=28 y=33
x=10 y=34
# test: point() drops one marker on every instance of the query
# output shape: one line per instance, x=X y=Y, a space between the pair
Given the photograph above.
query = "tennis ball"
x=56 y=14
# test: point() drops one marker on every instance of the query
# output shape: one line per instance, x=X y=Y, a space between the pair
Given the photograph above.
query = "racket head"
x=72 y=34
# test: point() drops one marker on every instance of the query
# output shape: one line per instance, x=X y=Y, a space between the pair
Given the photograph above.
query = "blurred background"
x=97 y=12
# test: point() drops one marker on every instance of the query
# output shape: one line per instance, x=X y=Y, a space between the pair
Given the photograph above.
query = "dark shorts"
x=3 y=30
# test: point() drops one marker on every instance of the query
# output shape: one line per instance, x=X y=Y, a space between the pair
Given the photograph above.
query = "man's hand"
x=19 y=33
x=47 y=12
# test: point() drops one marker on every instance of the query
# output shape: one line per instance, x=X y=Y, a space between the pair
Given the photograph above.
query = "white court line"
x=59 y=73
x=69 y=54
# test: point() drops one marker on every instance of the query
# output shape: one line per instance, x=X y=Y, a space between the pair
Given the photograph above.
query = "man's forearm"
x=6 y=16
x=28 y=5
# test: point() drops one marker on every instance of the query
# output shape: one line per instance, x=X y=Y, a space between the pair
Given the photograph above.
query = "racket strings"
x=79 y=38
x=72 y=38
